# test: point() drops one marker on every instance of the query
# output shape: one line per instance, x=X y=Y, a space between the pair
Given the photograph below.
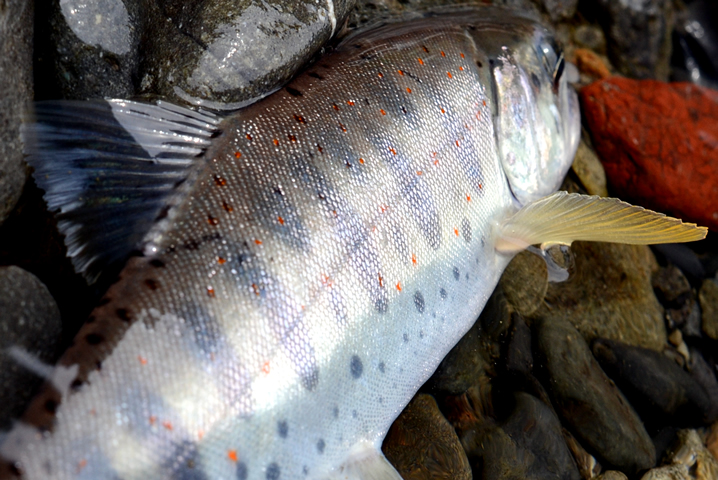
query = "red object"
x=658 y=143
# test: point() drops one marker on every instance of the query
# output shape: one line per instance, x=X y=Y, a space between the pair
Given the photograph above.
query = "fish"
x=295 y=270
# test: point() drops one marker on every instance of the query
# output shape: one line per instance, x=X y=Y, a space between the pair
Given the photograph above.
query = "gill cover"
x=538 y=122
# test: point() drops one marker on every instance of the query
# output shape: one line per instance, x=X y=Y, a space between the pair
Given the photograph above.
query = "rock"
x=524 y=282
x=705 y=376
x=588 y=467
x=519 y=357
x=660 y=390
x=590 y=404
x=528 y=445
x=655 y=139
x=589 y=170
x=684 y=257
x=688 y=459
x=708 y=298
x=638 y=34
x=30 y=320
x=612 y=475
x=560 y=9
x=675 y=472
x=590 y=37
x=712 y=440
x=671 y=287
x=422 y=445
x=609 y=296
x=591 y=64
x=16 y=29
x=695 y=44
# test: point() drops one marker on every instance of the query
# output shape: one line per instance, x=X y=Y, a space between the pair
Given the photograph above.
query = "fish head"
x=537 y=116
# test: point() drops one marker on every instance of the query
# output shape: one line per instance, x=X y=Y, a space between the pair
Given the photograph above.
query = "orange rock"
x=658 y=143
x=590 y=63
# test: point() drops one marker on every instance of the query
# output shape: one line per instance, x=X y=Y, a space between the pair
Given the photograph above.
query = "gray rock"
x=16 y=28
x=589 y=170
x=708 y=298
x=519 y=356
x=609 y=296
x=560 y=9
x=422 y=445
x=663 y=392
x=702 y=373
x=612 y=475
x=590 y=36
x=524 y=282
x=638 y=34
x=588 y=401
x=30 y=320
x=688 y=459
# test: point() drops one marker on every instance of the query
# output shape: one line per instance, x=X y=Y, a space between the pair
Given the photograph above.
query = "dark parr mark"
x=50 y=406
x=94 y=338
x=157 y=263
x=419 y=302
x=356 y=367
x=443 y=294
x=321 y=445
x=152 y=284
x=382 y=367
x=466 y=230
x=123 y=314
x=293 y=92
x=282 y=428
x=242 y=471
x=315 y=75
x=456 y=273
x=273 y=471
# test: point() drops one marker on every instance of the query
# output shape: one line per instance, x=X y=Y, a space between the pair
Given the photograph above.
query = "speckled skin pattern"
x=335 y=243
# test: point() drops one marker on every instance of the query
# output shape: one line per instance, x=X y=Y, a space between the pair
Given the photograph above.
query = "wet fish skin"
x=328 y=249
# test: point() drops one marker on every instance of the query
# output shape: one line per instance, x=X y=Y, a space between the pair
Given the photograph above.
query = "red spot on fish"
x=418 y=172
x=81 y=464
x=361 y=160
x=426 y=50
x=344 y=129
x=462 y=55
x=299 y=118
x=408 y=90
x=383 y=208
x=449 y=74
x=221 y=182
x=436 y=162
x=413 y=259
x=319 y=147
x=381 y=281
x=249 y=137
x=443 y=111
x=280 y=220
x=398 y=286
x=468 y=198
x=232 y=455
x=382 y=111
x=461 y=68
x=480 y=186
x=227 y=207
x=457 y=143
x=292 y=138
x=350 y=102
x=276 y=142
x=221 y=260
x=210 y=291
x=265 y=368
x=334 y=105
x=443 y=54
x=391 y=149
x=381 y=75
x=142 y=359
x=237 y=154
x=327 y=281
x=211 y=220
x=456 y=231
x=168 y=425
x=153 y=420
x=258 y=242
x=484 y=102
x=400 y=73
x=255 y=288
x=421 y=62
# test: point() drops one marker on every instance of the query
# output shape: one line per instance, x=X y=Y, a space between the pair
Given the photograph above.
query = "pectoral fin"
x=562 y=218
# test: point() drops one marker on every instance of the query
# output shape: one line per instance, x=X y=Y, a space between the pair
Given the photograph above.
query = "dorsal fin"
x=562 y=218
x=108 y=168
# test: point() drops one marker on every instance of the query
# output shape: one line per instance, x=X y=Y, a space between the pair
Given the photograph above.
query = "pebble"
x=656 y=386
x=654 y=139
x=689 y=459
x=16 y=27
x=519 y=356
x=30 y=320
x=524 y=282
x=560 y=9
x=612 y=475
x=588 y=401
x=589 y=170
x=609 y=295
x=708 y=298
x=638 y=35
x=422 y=445
x=590 y=63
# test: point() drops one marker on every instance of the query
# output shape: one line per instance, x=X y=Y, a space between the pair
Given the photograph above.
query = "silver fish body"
x=330 y=246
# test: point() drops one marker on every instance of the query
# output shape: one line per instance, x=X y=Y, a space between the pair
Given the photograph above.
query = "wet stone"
x=671 y=287
x=612 y=475
x=421 y=444
x=29 y=320
x=560 y=9
x=708 y=298
x=687 y=459
x=16 y=28
x=589 y=170
x=609 y=295
x=519 y=357
x=656 y=386
x=590 y=404
x=524 y=282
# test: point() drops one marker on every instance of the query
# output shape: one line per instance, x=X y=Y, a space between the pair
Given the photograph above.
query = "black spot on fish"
x=163 y=213
x=315 y=75
x=123 y=314
x=466 y=230
x=406 y=338
x=354 y=414
x=191 y=245
x=419 y=302
x=182 y=462
x=94 y=338
x=382 y=367
x=282 y=428
x=273 y=471
x=104 y=301
x=76 y=384
x=91 y=319
x=293 y=92
x=242 y=471
x=305 y=470
x=321 y=445
x=356 y=367
x=310 y=378
x=467 y=276
x=206 y=330
x=456 y=273
x=479 y=64
x=381 y=305
x=50 y=406
x=151 y=284
x=443 y=293
x=335 y=412
x=535 y=80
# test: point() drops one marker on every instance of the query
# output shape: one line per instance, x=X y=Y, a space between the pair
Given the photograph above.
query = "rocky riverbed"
x=611 y=374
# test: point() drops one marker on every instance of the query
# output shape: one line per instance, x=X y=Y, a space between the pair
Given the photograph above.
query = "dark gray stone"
x=30 y=320
x=16 y=28
x=519 y=356
x=560 y=9
x=656 y=386
x=588 y=401
x=708 y=297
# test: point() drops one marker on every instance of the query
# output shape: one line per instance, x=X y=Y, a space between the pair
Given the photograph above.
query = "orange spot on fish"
x=299 y=118
x=382 y=111
x=81 y=464
x=227 y=207
x=480 y=186
x=400 y=72
x=408 y=90
x=153 y=420
x=391 y=149
x=449 y=74
x=426 y=50
x=381 y=75
x=280 y=220
x=344 y=129
x=334 y=105
x=232 y=455
x=258 y=242
x=93 y=412
x=436 y=162
x=221 y=260
x=468 y=198
x=381 y=281
x=421 y=62
x=383 y=208
x=211 y=220
x=398 y=286
x=142 y=359
x=350 y=102
x=168 y=425
x=265 y=368
x=457 y=143
x=249 y=137
x=443 y=54
x=200 y=434
x=462 y=55
x=478 y=114
x=237 y=154
x=255 y=288
x=292 y=138
x=319 y=147
x=327 y=281
x=210 y=291
x=276 y=142
x=443 y=111
x=484 y=101
x=456 y=231
x=361 y=160
x=461 y=68
x=221 y=182
x=413 y=259
x=418 y=172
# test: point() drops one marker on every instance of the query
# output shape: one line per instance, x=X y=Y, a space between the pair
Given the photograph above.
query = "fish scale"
x=307 y=261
